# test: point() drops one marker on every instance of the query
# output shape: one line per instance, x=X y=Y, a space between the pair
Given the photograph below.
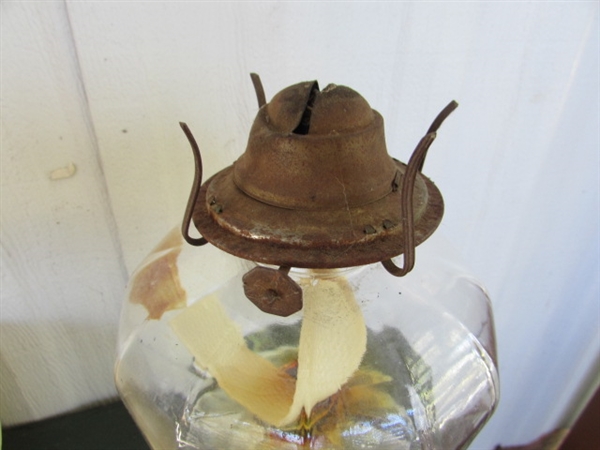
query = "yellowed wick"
x=332 y=343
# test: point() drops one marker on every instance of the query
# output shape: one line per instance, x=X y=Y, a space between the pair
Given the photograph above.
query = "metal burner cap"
x=315 y=187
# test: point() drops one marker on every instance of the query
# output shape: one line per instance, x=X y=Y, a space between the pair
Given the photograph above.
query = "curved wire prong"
x=258 y=88
x=406 y=206
x=189 y=210
x=437 y=123
x=414 y=166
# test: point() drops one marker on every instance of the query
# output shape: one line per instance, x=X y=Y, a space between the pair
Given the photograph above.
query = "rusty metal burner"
x=315 y=188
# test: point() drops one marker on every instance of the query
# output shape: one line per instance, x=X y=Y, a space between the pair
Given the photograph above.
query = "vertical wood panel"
x=149 y=70
x=62 y=275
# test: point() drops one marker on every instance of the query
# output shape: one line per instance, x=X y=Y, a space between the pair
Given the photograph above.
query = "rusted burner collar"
x=315 y=188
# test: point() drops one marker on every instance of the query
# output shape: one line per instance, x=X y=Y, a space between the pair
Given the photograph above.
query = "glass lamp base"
x=426 y=379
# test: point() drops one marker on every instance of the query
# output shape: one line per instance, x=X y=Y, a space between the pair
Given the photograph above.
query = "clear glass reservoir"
x=371 y=361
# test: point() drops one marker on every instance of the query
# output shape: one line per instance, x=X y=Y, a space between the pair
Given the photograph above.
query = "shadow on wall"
x=54 y=367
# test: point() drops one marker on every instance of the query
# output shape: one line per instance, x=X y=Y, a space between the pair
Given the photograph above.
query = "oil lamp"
x=297 y=326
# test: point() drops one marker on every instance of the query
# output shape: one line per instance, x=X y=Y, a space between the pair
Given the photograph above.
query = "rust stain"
x=157 y=286
x=171 y=240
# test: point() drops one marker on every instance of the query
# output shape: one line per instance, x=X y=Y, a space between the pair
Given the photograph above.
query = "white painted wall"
x=104 y=84
x=62 y=270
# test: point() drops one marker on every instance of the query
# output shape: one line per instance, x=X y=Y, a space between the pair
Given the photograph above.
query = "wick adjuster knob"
x=273 y=291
